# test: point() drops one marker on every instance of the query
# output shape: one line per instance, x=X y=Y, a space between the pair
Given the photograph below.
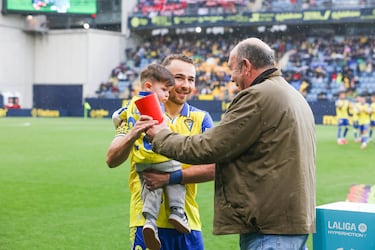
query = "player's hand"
x=155 y=179
x=142 y=125
x=154 y=130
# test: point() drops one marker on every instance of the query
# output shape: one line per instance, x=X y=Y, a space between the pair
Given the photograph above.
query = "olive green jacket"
x=264 y=150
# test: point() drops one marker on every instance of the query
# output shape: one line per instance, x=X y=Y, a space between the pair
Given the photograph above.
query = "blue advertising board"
x=345 y=226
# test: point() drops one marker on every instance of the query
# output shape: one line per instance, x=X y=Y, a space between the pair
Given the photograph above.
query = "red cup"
x=150 y=105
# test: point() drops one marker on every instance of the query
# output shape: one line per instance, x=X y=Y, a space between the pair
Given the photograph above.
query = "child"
x=155 y=78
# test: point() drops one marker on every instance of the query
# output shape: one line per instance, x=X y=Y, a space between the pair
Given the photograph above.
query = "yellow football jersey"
x=342 y=109
x=363 y=112
x=190 y=121
x=372 y=106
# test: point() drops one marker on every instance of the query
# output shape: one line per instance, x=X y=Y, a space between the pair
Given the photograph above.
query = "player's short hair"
x=168 y=59
x=156 y=73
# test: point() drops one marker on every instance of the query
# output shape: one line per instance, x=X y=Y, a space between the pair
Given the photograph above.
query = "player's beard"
x=179 y=98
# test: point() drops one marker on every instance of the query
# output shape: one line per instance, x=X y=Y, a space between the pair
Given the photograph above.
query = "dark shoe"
x=150 y=237
x=179 y=220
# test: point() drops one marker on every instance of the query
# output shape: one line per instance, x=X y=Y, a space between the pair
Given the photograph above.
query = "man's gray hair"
x=258 y=56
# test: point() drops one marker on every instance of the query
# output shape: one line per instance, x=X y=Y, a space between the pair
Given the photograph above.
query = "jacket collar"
x=263 y=76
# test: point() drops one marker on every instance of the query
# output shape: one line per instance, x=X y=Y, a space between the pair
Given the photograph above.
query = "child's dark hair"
x=156 y=73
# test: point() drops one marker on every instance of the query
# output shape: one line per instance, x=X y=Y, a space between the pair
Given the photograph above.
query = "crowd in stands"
x=187 y=7
x=318 y=66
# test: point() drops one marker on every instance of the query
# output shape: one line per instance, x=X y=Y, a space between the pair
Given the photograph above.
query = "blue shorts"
x=170 y=239
x=355 y=124
x=363 y=128
x=372 y=123
x=343 y=122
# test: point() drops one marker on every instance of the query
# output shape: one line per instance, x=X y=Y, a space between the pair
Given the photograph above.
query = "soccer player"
x=184 y=119
x=154 y=78
x=354 y=116
x=342 y=114
x=362 y=109
x=372 y=118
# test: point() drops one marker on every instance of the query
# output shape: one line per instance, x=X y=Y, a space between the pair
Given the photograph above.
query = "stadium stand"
x=317 y=63
x=318 y=66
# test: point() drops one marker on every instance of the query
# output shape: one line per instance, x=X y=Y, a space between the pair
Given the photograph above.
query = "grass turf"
x=56 y=191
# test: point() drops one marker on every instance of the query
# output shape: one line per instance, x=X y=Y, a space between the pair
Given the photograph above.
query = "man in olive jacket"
x=264 y=149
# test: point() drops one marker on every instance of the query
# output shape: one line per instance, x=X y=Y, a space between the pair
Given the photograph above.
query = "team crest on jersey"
x=189 y=123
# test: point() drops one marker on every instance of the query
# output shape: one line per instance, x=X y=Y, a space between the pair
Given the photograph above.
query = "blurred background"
x=59 y=54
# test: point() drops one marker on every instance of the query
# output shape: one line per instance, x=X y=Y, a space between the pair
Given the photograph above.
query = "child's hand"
x=154 y=130
x=143 y=124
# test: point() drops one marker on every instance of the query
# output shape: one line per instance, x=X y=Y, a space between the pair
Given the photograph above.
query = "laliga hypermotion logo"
x=347 y=226
x=347 y=229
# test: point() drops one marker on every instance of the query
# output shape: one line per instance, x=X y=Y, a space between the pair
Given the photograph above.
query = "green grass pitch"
x=56 y=191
